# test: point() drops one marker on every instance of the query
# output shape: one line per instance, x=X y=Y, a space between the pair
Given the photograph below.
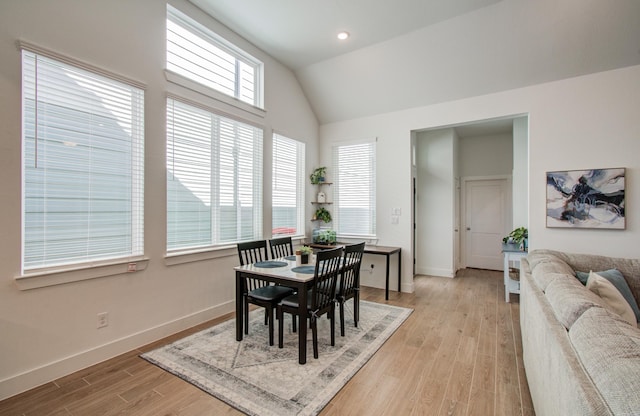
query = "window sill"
x=182 y=257
x=55 y=277
x=177 y=79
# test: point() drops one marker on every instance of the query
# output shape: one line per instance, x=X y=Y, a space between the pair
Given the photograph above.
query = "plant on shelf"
x=318 y=175
x=322 y=214
x=516 y=236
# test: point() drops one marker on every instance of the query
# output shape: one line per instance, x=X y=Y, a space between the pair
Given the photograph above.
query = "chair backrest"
x=281 y=247
x=350 y=275
x=252 y=251
x=327 y=270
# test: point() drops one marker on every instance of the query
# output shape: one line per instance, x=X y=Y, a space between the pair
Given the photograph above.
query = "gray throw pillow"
x=617 y=279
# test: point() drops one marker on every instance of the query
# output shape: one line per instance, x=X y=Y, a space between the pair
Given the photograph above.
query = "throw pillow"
x=611 y=297
x=617 y=279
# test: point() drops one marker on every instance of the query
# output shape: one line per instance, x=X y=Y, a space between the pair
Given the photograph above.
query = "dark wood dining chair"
x=281 y=247
x=349 y=284
x=256 y=291
x=320 y=299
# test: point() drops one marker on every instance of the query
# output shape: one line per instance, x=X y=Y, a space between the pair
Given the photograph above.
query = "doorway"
x=486 y=217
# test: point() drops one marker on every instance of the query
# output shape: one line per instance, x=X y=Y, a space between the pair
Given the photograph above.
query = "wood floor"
x=459 y=353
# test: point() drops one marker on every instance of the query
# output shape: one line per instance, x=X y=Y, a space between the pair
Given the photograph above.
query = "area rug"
x=261 y=380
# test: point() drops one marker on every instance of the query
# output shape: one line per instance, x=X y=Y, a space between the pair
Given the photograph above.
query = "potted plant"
x=517 y=236
x=305 y=251
x=318 y=175
x=322 y=214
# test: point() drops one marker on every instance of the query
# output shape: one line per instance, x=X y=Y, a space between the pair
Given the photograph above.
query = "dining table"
x=283 y=271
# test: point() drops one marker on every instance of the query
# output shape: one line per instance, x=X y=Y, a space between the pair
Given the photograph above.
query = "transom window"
x=200 y=55
x=355 y=189
x=288 y=184
x=83 y=165
x=214 y=179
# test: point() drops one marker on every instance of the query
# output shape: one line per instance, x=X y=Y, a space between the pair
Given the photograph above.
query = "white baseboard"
x=68 y=365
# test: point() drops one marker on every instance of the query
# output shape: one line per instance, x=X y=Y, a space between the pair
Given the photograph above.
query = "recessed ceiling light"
x=343 y=35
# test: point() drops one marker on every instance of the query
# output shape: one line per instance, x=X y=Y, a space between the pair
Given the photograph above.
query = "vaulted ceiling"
x=410 y=53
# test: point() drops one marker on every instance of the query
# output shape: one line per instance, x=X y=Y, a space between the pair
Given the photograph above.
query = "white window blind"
x=214 y=179
x=288 y=187
x=355 y=189
x=198 y=54
x=83 y=165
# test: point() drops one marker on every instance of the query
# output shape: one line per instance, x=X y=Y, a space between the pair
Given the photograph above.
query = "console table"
x=511 y=253
x=379 y=250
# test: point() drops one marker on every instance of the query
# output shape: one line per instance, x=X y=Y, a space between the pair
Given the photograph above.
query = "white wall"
x=486 y=155
x=435 y=208
x=579 y=123
x=49 y=332
x=520 y=176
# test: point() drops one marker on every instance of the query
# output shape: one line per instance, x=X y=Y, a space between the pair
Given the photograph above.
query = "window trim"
x=238 y=53
x=301 y=176
x=37 y=277
x=187 y=255
x=334 y=146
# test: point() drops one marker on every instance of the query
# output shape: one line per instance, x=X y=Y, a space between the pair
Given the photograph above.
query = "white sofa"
x=580 y=358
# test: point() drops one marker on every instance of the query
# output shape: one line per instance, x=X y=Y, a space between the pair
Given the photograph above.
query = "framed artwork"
x=586 y=199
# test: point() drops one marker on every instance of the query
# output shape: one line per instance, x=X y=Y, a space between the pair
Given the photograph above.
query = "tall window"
x=214 y=179
x=288 y=186
x=355 y=189
x=83 y=142
x=198 y=54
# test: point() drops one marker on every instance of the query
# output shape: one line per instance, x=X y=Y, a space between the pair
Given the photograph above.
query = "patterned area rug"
x=261 y=380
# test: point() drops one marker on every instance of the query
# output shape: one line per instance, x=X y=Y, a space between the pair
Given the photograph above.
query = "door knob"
x=468 y=229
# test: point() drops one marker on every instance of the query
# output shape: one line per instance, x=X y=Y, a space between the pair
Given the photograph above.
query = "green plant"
x=323 y=215
x=306 y=250
x=318 y=175
x=517 y=235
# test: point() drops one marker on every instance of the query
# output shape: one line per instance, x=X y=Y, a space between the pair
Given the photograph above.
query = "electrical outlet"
x=103 y=320
x=132 y=267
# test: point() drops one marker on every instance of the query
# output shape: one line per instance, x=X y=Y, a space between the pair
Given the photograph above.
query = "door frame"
x=463 y=208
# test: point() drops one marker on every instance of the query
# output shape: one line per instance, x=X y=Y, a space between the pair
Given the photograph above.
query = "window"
x=288 y=187
x=355 y=189
x=198 y=54
x=83 y=148
x=214 y=179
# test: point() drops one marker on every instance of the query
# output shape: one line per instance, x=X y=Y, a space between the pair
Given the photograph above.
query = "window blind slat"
x=198 y=54
x=354 y=189
x=214 y=179
x=83 y=165
x=288 y=187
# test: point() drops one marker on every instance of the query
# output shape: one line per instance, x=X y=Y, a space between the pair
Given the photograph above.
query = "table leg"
x=386 y=285
x=239 y=306
x=506 y=277
x=400 y=271
x=302 y=325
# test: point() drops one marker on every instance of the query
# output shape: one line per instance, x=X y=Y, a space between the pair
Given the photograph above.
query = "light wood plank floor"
x=459 y=353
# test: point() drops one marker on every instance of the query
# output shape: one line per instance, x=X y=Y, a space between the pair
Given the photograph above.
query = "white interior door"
x=486 y=215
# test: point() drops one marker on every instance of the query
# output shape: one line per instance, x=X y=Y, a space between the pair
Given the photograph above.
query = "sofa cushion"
x=614 y=301
x=609 y=350
x=545 y=272
x=618 y=280
x=569 y=299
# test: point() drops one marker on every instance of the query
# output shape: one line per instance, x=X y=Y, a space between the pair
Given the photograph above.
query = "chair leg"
x=314 y=331
x=270 y=312
x=246 y=317
x=266 y=316
x=332 y=318
x=294 y=325
x=280 y=328
x=342 y=318
x=356 y=308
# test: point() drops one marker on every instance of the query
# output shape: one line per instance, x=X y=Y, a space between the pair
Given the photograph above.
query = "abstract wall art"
x=586 y=199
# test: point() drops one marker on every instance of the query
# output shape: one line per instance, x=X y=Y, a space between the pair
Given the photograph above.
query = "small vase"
x=304 y=258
